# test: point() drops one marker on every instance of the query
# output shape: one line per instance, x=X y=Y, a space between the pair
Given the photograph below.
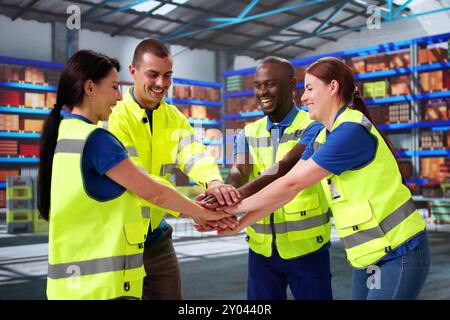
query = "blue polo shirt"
x=102 y=152
x=276 y=132
x=348 y=147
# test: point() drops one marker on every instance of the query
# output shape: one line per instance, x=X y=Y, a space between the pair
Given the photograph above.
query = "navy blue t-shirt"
x=102 y=152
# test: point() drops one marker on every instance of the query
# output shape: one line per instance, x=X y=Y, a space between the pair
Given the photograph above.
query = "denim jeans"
x=399 y=279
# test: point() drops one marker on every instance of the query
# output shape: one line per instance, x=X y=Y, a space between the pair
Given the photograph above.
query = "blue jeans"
x=399 y=279
x=308 y=277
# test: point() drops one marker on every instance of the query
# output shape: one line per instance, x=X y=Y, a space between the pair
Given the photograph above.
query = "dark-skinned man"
x=289 y=247
x=158 y=137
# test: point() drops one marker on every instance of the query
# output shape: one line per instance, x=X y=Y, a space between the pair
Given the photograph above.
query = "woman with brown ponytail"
x=380 y=228
x=90 y=190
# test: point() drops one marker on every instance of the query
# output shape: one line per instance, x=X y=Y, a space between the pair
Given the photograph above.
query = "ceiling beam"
x=23 y=10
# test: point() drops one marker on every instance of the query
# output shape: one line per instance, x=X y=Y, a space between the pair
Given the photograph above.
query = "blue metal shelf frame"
x=189 y=82
x=359 y=52
x=27 y=86
x=212 y=142
x=2 y=185
x=31 y=63
x=250 y=92
x=10 y=134
x=23 y=110
x=205 y=122
x=215 y=104
x=407 y=125
x=424 y=153
x=18 y=160
x=408 y=98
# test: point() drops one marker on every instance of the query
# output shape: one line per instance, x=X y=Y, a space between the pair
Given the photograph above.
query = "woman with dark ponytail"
x=382 y=232
x=95 y=198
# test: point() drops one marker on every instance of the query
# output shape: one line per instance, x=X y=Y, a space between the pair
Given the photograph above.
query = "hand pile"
x=221 y=198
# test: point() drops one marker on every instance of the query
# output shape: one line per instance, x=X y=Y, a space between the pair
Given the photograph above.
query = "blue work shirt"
x=276 y=132
x=102 y=152
x=348 y=147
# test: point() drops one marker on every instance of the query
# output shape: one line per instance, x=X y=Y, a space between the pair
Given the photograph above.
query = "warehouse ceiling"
x=254 y=28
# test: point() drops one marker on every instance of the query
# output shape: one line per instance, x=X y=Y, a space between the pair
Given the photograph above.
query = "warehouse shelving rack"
x=18 y=162
x=219 y=123
x=413 y=99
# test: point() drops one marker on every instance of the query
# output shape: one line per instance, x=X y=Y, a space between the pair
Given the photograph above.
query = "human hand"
x=225 y=194
x=225 y=223
x=230 y=232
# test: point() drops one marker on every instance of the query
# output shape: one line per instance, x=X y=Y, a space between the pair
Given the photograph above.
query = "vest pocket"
x=256 y=237
x=134 y=232
x=135 y=235
x=359 y=230
x=304 y=218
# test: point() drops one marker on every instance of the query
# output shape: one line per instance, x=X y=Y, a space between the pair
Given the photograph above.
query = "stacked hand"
x=222 y=198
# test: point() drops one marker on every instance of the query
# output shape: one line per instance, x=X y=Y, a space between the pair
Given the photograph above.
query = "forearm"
x=276 y=171
x=275 y=195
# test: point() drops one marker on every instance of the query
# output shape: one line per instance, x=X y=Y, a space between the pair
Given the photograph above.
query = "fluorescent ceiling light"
x=150 y=5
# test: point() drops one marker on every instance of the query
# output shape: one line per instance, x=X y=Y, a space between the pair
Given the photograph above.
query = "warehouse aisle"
x=212 y=268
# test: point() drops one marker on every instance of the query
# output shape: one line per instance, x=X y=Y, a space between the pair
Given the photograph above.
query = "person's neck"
x=329 y=119
x=145 y=104
x=280 y=113
x=83 y=110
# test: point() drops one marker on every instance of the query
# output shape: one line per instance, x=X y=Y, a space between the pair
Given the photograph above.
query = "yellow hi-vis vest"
x=373 y=210
x=303 y=225
x=170 y=144
x=95 y=247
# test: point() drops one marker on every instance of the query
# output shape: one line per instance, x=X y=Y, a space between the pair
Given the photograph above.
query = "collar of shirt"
x=134 y=107
x=67 y=115
x=287 y=120
x=135 y=100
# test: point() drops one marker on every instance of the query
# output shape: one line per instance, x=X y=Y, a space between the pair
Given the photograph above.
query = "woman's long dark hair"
x=328 y=69
x=82 y=66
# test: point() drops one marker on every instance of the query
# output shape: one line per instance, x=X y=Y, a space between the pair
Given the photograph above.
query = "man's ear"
x=132 y=70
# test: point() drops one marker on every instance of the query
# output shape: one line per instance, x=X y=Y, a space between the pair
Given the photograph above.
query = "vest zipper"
x=272 y=225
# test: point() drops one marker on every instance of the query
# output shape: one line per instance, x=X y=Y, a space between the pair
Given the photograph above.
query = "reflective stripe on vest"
x=132 y=151
x=185 y=141
x=145 y=211
x=259 y=142
x=69 y=146
x=290 y=136
x=192 y=161
x=167 y=168
x=289 y=226
x=95 y=266
x=389 y=223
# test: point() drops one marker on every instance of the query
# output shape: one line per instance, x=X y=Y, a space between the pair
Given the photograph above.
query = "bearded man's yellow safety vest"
x=300 y=227
x=373 y=210
x=95 y=247
x=171 y=143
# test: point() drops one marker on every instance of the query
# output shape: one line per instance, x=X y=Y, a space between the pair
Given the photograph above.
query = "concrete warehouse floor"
x=212 y=268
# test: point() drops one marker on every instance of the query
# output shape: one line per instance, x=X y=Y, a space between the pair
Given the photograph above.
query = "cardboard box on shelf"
x=185 y=110
x=399 y=60
x=9 y=74
x=50 y=99
x=32 y=125
x=212 y=94
x=377 y=63
x=35 y=75
x=10 y=98
x=248 y=82
x=7 y=173
x=9 y=122
x=300 y=74
x=8 y=148
x=400 y=86
x=427 y=56
x=34 y=100
x=357 y=65
x=198 y=93
x=182 y=92
x=29 y=150
x=436 y=111
x=198 y=112
x=213 y=113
